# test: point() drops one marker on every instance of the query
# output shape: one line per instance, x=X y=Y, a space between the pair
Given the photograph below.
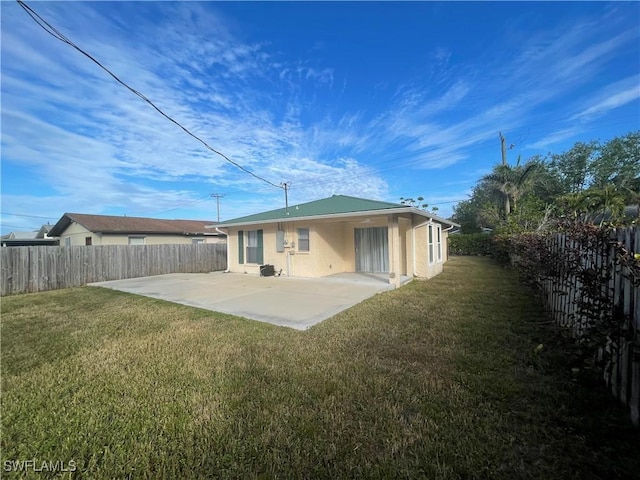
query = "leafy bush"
x=580 y=269
x=470 y=244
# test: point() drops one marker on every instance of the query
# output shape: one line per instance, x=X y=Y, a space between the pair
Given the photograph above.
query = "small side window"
x=430 y=244
x=303 y=239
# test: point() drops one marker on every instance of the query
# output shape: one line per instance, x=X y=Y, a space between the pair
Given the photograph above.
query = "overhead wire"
x=28 y=216
x=51 y=30
x=314 y=182
x=182 y=205
x=20 y=226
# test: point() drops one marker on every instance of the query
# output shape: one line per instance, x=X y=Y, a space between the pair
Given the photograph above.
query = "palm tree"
x=574 y=203
x=606 y=199
x=594 y=203
x=511 y=182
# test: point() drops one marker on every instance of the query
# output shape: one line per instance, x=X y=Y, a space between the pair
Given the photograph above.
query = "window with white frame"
x=252 y=246
x=303 y=239
x=430 y=239
x=136 y=240
x=67 y=241
x=434 y=241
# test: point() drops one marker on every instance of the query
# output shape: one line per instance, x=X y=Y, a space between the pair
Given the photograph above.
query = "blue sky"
x=378 y=100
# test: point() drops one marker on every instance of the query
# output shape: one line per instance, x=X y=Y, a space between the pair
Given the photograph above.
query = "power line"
x=315 y=181
x=28 y=216
x=51 y=30
x=450 y=201
x=182 y=205
x=20 y=226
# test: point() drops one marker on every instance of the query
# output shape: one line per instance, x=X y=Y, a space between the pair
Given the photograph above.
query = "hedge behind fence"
x=470 y=244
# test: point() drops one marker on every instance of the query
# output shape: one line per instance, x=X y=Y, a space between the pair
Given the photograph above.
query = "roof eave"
x=387 y=211
x=148 y=232
x=434 y=217
x=64 y=223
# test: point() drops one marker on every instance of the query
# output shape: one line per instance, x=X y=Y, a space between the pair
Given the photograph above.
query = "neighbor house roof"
x=42 y=232
x=34 y=237
x=334 y=206
x=128 y=225
x=21 y=235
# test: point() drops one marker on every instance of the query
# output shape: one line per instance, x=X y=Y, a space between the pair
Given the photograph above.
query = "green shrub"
x=470 y=244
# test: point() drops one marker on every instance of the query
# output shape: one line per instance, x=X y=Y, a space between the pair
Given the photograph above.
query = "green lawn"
x=437 y=379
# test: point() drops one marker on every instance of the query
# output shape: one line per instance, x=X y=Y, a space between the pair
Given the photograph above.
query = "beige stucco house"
x=339 y=234
x=82 y=229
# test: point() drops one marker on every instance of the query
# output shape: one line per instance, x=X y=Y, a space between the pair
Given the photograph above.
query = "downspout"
x=226 y=234
x=413 y=246
x=289 y=235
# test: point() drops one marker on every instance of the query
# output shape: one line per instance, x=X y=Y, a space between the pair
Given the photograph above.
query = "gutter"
x=228 y=249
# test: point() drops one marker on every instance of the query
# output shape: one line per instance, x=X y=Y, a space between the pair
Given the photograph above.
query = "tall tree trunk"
x=507 y=206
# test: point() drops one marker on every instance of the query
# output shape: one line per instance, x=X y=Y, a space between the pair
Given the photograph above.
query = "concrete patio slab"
x=290 y=302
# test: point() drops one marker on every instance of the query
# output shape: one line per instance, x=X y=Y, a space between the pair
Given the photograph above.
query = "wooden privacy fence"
x=39 y=268
x=593 y=287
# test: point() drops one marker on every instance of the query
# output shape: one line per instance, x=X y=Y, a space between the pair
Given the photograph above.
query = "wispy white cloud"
x=111 y=138
x=588 y=109
x=556 y=137
x=287 y=119
x=550 y=65
x=612 y=97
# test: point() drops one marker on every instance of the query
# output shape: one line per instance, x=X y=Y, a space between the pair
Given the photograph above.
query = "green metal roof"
x=326 y=206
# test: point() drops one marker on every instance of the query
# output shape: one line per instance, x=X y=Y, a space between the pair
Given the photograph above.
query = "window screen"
x=431 y=252
x=252 y=246
x=303 y=239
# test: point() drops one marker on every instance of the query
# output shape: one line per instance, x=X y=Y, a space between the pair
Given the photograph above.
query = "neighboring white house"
x=83 y=229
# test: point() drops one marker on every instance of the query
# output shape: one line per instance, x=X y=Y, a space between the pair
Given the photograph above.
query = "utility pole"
x=285 y=186
x=503 y=147
x=217 y=196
